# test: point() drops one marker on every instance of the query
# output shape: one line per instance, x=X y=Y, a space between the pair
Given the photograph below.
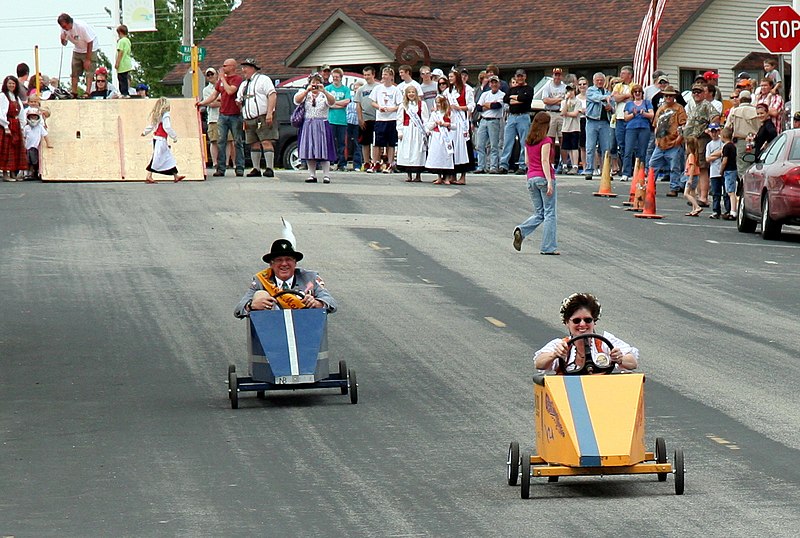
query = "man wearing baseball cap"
x=712 y=78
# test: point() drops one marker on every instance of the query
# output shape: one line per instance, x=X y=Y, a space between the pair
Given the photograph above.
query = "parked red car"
x=770 y=190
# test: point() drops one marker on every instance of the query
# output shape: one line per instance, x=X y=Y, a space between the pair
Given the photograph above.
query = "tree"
x=156 y=53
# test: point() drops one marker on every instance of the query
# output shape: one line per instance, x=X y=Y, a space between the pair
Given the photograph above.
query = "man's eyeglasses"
x=577 y=321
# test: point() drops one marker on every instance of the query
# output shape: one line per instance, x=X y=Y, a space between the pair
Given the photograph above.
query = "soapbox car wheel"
x=231 y=370
x=233 y=390
x=525 y=475
x=598 y=363
x=352 y=384
x=677 y=463
x=512 y=463
x=661 y=456
x=343 y=375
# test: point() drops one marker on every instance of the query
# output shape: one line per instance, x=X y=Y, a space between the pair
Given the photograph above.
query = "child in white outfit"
x=34 y=132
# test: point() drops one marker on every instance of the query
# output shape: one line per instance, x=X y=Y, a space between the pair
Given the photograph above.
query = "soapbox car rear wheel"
x=512 y=463
x=525 y=475
x=231 y=370
x=352 y=384
x=343 y=375
x=677 y=463
x=661 y=456
x=599 y=362
x=233 y=390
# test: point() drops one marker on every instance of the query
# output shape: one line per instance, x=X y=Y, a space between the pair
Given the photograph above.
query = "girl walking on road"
x=541 y=186
x=162 y=162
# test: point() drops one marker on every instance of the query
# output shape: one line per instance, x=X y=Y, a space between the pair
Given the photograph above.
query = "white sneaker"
x=597 y=172
x=624 y=178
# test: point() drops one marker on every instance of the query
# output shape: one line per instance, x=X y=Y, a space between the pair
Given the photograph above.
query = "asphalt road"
x=116 y=330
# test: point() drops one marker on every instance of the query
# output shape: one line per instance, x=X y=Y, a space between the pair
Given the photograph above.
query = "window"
x=774 y=149
x=686 y=76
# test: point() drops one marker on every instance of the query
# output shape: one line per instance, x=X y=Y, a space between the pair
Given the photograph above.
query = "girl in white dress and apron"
x=462 y=103
x=440 y=143
x=162 y=162
x=412 y=139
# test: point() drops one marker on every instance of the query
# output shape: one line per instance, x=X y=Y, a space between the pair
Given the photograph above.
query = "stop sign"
x=778 y=29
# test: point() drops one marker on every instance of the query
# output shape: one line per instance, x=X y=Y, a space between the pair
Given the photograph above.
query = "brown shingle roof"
x=470 y=32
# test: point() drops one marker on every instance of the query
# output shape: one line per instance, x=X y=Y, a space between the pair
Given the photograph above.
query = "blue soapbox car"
x=288 y=350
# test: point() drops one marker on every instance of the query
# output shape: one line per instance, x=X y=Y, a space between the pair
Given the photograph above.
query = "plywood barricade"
x=100 y=140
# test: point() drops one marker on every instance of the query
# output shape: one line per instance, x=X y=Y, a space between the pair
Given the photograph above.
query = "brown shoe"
x=672 y=194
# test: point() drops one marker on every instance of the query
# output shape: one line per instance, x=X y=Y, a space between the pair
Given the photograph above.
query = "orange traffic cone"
x=650 y=198
x=605 y=179
x=632 y=193
x=638 y=200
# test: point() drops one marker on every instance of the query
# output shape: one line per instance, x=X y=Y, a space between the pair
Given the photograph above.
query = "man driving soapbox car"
x=287 y=309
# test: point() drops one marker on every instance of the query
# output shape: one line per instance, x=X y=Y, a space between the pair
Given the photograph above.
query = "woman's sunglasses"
x=576 y=321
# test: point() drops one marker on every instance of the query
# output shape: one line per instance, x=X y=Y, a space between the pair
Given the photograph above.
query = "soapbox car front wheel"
x=677 y=463
x=661 y=456
x=343 y=375
x=233 y=390
x=525 y=475
x=597 y=363
x=352 y=385
x=512 y=463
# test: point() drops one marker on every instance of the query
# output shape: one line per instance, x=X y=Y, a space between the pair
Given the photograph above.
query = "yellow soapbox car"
x=590 y=425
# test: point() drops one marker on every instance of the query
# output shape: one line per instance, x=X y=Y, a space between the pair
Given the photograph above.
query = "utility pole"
x=188 y=40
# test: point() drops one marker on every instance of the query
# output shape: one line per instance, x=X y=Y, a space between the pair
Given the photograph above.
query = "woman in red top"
x=541 y=186
x=12 y=147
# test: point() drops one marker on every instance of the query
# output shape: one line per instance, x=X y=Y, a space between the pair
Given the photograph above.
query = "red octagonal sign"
x=778 y=29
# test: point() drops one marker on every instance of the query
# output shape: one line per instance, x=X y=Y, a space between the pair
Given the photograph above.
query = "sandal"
x=409 y=180
x=179 y=178
x=438 y=182
x=150 y=180
x=695 y=213
x=458 y=182
x=418 y=180
x=312 y=179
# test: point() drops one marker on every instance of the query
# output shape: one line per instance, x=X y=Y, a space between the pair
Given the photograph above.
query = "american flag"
x=645 y=59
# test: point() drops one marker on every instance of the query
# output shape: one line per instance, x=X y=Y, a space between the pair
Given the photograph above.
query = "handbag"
x=299 y=115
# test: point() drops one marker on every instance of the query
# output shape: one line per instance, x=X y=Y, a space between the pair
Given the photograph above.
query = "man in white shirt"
x=386 y=98
x=407 y=80
x=490 y=105
x=212 y=117
x=258 y=98
x=84 y=39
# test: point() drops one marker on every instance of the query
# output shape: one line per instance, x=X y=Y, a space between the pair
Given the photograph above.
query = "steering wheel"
x=299 y=293
x=599 y=363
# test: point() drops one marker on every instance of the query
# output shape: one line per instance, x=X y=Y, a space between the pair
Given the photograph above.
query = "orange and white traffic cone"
x=605 y=179
x=636 y=180
x=650 y=198
x=641 y=187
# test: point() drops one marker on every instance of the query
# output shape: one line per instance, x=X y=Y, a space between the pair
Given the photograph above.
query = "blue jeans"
x=233 y=124
x=716 y=192
x=339 y=134
x=619 y=134
x=489 y=131
x=544 y=211
x=636 y=141
x=597 y=132
x=516 y=125
x=651 y=146
x=353 y=147
x=669 y=159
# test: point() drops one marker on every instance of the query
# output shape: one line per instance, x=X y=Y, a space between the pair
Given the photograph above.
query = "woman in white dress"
x=440 y=143
x=412 y=139
x=462 y=103
x=162 y=162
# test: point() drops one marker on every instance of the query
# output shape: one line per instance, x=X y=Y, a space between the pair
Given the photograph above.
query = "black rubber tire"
x=525 y=475
x=260 y=394
x=233 y=390
x=343 y=374
x=231 y=370
x=552 y=479
x=352 y=383
x=512 y=464
x=770 y=229
x=678 y=465
x=291 y=162
x=661 y=456
x=744 y=223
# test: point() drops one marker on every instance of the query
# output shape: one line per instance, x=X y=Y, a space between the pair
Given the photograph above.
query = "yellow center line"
x=494 y=321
